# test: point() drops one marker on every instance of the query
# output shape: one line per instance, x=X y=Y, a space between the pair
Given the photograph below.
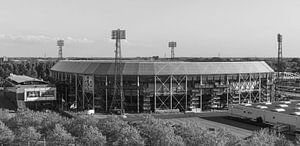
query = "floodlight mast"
x=118 y=95
x=172 y=45
x=60 y=44
x=279 y=59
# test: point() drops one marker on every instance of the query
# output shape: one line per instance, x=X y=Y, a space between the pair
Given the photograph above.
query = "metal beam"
x=171 y=92
x=154 y=93
x=201 y=92
x=138 y=94
x=227 y=88
x=239 y=88
x=76 y=91
x=186 y=92
x=106 y=86
x=259 y=90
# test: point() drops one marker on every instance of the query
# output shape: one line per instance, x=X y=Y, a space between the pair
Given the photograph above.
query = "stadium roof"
x=100 y=67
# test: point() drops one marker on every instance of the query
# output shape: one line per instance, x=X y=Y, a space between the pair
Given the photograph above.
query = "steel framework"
x=118 y=95
x=169 y=92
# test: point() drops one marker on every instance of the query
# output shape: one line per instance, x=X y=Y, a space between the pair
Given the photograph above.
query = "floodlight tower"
x=118 y=96
x=279 y=59
x=172 y=45
x=60 y=44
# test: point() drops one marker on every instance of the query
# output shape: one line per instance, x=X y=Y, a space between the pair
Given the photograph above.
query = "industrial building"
x=153 y=86
x=19 y=91
x=284 y=114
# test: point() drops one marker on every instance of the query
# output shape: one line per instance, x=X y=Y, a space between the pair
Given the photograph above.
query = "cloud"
x=42 y=38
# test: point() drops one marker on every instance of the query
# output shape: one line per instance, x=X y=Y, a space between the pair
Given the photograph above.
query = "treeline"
x=48 y=128
x=36 y=69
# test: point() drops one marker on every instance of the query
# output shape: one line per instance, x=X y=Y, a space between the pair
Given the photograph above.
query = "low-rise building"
x=19 y=91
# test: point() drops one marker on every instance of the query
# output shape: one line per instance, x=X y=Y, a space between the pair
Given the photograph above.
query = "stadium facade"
x=152 y=86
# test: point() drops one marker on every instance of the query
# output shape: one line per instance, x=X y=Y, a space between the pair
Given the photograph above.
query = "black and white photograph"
x=149 y=73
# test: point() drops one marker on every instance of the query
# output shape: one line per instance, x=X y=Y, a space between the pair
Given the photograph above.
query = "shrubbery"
x=35 y=128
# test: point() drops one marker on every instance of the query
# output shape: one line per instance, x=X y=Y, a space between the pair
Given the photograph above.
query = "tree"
x=50 y=119
x=158 y=132
x=59 y=136
x=26 y=119
x=75 y=125
x=118 y=132
x=6 y=135
x=5 y=115
x=91 y=136
x=28 y=135
x=264 y=137
x=129 y=136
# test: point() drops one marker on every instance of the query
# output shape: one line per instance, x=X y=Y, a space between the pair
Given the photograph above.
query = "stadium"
x=162 y=86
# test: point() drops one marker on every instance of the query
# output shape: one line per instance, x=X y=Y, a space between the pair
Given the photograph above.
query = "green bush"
x=118 y=132
x=28 y=135
x=159 y=132
x=265 y=137
x=91 y=136
x=6 y=135
x=59 y=136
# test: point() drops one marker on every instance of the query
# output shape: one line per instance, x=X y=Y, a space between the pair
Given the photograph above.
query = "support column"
x=154 y=93
x=201 y=92
x=94 y=92
x=259 y=90
x=267 y=90
x=171 y=91
x=227 y=93
x=122 y=94
x=239 y=88
x=82 y=84
x=106 y=86
x=250 y=88
x=186 y=81
x=76 y=91
x=138 y=94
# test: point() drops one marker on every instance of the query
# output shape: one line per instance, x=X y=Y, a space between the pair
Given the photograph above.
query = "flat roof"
x=22 y=78
x=101 y=67
x=285 y=107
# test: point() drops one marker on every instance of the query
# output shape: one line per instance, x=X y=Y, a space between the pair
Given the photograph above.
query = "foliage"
x=158 y=132
x=265 y=137
x=129 y=136
x=5 y=115
x=29 y=134
x=30 y=126
x=118 y=132
x=91 y=136
x=30 y=68
x=50 y=119
x=6 y=135
x=59 y=136
x=26 y=118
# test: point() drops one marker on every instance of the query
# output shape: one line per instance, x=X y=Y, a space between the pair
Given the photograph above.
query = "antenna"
x=172 y=45
x=60 y=44
x=118 y=96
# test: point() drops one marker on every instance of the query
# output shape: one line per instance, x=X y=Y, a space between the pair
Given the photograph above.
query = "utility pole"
x=279 y=59
x=118 y=95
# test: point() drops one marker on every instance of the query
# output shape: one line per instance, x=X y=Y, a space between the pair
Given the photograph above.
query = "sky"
x=201 y=28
